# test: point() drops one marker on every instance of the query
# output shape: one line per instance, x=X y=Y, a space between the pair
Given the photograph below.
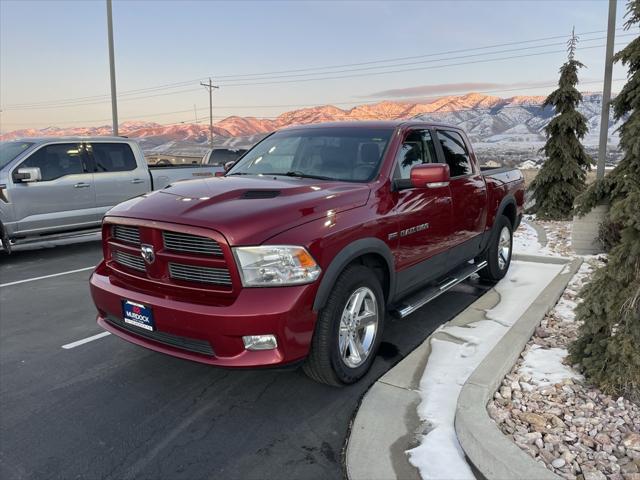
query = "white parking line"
x=46 y=276
x=85 y=340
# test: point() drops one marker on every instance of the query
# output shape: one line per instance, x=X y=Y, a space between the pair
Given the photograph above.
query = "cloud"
x=436 y=90
x=443 y=88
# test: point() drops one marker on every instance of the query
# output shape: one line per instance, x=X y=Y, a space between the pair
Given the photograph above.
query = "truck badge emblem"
x=147 y=253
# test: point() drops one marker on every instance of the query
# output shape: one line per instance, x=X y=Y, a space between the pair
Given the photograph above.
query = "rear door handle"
x=81 y=185
x=137 y=180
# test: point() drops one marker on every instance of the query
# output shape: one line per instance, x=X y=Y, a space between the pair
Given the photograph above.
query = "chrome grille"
x=128 y=260
x=183 y=242
x=193 y=273
x=126 y=234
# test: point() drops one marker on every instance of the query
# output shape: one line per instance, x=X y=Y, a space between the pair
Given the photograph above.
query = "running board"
x=421 y=298
x=77 y=234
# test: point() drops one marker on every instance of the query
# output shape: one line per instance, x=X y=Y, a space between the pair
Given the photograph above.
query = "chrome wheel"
x=504 y=248
x=358 y=327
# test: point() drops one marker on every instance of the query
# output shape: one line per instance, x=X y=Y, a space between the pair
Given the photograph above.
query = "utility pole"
x=606 y=91
x=210 y=86
x=112 y=71
x=195 y=112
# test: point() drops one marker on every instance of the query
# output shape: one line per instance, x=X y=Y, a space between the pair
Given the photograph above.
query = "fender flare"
x=345 y=257
x=509 y=199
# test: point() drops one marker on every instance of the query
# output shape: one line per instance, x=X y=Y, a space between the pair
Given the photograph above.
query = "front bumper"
x=213 y=334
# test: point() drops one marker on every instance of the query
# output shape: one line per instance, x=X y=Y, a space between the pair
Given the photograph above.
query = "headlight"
x=273 y=265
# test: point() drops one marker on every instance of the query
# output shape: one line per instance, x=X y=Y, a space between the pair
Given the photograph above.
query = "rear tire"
x=499 y=251
x=348 y=330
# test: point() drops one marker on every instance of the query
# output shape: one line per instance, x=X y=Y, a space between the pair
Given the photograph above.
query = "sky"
x=269 y=57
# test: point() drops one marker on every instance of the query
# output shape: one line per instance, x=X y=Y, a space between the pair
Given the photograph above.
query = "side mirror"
x=27 y=175
x=430 y=175
x=228 y=165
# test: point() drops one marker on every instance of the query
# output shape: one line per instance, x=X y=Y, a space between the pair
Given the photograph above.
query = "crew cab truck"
x=60 y=186
x=300 y=250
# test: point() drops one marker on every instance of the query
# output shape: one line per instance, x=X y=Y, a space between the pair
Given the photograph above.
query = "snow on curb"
x=451 y=363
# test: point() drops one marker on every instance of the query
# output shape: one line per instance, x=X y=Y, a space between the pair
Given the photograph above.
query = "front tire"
x=349 y=329
x=499 y=251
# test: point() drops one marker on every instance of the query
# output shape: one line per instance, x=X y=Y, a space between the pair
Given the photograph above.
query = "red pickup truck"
x=298 y=253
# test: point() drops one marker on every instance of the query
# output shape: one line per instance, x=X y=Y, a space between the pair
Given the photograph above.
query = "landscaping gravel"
x=546 y=407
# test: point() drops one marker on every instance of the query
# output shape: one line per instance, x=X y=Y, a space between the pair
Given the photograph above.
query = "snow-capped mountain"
x=516 y=122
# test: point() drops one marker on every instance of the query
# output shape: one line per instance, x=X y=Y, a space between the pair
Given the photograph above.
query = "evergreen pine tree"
x=562 y=176
x=608 y=347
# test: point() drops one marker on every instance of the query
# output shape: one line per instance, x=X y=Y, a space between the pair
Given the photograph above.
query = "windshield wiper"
x=299 y=174
x=240 y=173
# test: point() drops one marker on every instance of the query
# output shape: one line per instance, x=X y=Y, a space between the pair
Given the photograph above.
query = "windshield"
x=345 y=154
x=10 y=150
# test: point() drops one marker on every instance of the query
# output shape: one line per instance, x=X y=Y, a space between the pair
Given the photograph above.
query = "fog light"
x=260 y=342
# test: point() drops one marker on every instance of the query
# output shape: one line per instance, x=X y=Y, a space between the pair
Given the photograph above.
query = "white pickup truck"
x=53 y=187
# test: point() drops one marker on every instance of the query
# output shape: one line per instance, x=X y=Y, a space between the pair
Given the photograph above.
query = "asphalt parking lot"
x=110 y=409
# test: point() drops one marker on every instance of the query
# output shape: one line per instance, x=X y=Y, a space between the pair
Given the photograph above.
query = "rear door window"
x=455 y=152
x=57 y=160
x=112 y=157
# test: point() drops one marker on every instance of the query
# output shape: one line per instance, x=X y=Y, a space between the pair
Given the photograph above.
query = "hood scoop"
x=260 y=194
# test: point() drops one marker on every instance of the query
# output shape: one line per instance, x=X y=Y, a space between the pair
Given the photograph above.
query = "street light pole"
x=606 y=91
x=112 y=71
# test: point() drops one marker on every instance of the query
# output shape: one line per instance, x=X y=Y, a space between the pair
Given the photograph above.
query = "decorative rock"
x=632 y=442
x=498 y=414
x=505 y=392
x=536 y=421
x=594 y=475
x=571 y=427
x=629 y=468
x=552 y=439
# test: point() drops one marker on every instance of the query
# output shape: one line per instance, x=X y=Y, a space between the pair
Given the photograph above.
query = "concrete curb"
x=387 y=423
x=488 y=449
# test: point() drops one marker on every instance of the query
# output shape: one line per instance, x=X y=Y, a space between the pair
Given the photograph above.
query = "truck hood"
x=246 y=210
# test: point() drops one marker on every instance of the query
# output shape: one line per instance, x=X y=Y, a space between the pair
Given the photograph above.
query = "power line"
x=432 y=67
x=437 y=60
x=247 y=76
x=331 y=67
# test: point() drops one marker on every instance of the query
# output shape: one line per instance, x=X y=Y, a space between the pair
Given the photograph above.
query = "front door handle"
x=137 y=180
x=81 y=185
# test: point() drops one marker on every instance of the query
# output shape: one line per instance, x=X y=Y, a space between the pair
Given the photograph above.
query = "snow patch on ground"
x=545 y=367
x=519 y=288
x=525 y=240
x=450 y=364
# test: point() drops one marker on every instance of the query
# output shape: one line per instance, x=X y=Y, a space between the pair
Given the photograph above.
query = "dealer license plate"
x=138 y=315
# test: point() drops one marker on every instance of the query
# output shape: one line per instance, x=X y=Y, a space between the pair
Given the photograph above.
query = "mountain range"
x=489 y=120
